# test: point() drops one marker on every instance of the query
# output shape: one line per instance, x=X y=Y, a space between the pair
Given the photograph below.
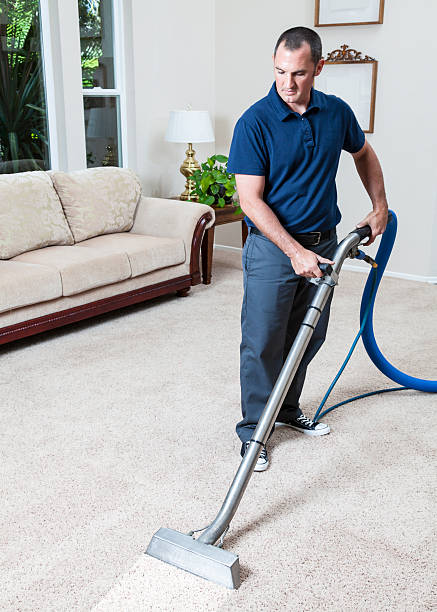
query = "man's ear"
x=319 y=67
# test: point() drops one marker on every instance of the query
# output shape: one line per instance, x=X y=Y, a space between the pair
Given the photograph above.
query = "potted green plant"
x=214 y=185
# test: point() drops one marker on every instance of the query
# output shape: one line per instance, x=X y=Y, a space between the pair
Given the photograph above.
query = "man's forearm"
x=369 y=169
x=305 y=262
x=268 y=223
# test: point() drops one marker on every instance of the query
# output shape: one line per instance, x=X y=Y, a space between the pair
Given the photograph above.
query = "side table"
x=222 y=216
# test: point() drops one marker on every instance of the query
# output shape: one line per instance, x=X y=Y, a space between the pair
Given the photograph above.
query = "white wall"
x=405 y=124
x=173 y=45
x=227 y=47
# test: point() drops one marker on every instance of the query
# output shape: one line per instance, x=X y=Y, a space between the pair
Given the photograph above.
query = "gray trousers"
x=274 y=305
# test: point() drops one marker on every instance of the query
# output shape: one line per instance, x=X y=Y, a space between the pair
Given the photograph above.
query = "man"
x=285 y=152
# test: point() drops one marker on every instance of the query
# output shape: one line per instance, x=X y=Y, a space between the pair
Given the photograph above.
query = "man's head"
x=296 y=61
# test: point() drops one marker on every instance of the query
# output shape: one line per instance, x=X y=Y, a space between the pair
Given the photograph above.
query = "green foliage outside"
x=23 y=123
x=214 y=185
x=90 y=39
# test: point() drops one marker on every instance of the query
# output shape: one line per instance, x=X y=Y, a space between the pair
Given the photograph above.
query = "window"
x=23 y=115
x=101 y=91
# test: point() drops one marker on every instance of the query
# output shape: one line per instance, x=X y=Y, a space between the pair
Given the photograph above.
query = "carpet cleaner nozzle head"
x=204 y=560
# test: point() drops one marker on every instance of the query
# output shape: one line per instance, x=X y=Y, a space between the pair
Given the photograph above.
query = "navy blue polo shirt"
x=298 y=155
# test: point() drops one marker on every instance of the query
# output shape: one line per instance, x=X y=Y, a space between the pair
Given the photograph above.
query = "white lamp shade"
x=102 y=122
x=189 y=126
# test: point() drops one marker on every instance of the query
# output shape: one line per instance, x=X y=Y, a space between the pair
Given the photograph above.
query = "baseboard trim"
x=225 y=247
x=432 y=280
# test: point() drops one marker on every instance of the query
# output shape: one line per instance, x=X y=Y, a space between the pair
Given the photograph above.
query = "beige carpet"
x=113 y=428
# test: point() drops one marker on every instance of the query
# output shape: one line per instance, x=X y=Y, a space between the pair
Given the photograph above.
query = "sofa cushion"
x=80 y=269
x=31 y=214
x=98 y=200
x=24 y=284
x=145 y=253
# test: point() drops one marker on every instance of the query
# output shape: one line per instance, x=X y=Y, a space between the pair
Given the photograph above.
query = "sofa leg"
x=183 y=292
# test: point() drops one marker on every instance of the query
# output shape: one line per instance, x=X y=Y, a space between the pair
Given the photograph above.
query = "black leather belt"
x=308 y=239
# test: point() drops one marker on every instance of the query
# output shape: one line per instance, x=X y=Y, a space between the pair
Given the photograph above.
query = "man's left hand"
x=377 y=221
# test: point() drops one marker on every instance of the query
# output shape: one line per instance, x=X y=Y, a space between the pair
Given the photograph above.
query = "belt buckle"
x=317 y=236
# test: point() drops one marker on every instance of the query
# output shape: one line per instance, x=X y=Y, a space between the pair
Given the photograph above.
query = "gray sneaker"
x=306 y=426
x=263 y=459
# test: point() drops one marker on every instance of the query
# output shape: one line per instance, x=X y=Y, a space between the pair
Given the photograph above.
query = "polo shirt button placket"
x=308 y=136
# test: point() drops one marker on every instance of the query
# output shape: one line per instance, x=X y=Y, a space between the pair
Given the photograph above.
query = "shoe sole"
x=307 y=432
x=261 y=468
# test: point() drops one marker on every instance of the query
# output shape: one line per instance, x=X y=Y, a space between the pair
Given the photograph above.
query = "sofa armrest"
x=169 y=218
x=163 y=217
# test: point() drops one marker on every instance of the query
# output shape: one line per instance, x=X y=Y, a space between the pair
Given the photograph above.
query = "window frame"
x=63 y=82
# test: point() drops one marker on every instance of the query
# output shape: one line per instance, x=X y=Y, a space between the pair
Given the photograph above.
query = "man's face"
x=294 y=73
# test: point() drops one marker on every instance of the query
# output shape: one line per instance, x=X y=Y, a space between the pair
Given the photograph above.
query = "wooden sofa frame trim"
x=181 y=285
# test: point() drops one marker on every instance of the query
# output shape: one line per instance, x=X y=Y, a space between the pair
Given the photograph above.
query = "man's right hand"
x=250 y=191
x=306 y=263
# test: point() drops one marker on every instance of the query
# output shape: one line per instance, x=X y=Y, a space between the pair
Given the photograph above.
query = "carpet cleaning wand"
x=202 y=556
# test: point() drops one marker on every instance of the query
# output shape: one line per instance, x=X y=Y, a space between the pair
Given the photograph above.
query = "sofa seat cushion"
x=31 y=215
x=145 y=253
x=98 y=200
x=24 y=284
x=80 y=269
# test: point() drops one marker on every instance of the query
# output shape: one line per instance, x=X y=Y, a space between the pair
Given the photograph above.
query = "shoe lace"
x=303 y=419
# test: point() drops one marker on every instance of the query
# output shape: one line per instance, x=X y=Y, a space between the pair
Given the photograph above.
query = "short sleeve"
x=247 y=154
x=354 y=137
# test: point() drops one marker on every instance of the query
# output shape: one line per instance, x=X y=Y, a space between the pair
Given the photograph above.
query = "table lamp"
x=189 y=126
x=102 y=124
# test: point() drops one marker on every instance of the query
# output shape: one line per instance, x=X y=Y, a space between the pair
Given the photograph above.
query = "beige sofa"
x=73 y=245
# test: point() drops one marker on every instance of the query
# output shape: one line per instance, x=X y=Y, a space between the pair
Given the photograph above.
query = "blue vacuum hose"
x=366 y=331
x=384 y=251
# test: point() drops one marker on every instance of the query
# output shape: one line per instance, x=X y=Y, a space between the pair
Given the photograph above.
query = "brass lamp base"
x=188 y=167
x=109 y=159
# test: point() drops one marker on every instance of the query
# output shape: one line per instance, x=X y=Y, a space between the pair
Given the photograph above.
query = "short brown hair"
x=295 y=37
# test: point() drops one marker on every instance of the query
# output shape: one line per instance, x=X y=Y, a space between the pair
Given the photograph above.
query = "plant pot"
x=220 y=194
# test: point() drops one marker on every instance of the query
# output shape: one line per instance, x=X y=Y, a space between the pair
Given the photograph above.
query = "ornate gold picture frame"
x=348 y=12
x=352 y=78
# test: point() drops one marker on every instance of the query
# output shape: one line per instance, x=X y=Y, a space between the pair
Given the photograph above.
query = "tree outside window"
x=23 y=116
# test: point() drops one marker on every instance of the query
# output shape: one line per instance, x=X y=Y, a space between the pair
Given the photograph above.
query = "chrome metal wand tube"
x=278 y=394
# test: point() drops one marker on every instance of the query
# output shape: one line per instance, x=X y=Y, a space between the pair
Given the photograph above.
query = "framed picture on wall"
x=348 y=12
x=352 y=78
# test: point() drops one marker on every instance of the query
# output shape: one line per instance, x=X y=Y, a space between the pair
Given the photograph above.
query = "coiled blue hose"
x=366 y=331
x=384 y=251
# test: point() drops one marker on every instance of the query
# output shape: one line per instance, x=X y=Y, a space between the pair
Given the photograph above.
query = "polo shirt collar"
x=283 y=110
